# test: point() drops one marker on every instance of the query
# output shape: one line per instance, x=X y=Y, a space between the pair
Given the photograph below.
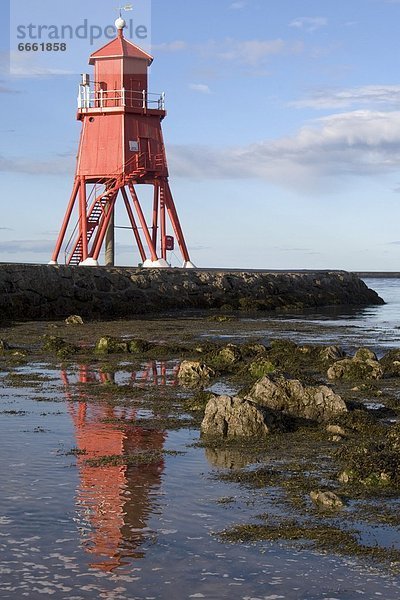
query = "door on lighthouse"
x=145 y=152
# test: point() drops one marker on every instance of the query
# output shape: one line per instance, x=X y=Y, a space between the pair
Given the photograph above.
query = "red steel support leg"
x=103 y=227
x=163 y=223
x=133 y=224
x=67 y=217
x=155 y=213
x=173 y=215
x=83 y=218
x=153 y=251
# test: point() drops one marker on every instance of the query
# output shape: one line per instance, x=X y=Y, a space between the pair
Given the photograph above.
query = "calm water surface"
x=76 y=532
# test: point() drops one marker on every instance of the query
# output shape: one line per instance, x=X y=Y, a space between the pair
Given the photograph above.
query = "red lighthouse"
x=121 y=148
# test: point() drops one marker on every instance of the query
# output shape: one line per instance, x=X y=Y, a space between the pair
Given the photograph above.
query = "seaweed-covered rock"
x=365 y=354
x=326 y=499
x=111 y=345
x=364 y=365
x=373 y=463
x=260 y=367
x=138 y=346
x=291 y=397
x=74 y=320
x=194 y=370
x=391 y=363
x=253 y=349
x=235 y=417
x=224 y=358
x=58 y=346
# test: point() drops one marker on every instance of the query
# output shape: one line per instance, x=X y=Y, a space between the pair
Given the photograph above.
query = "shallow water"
x=72 y=531
x=377 y=327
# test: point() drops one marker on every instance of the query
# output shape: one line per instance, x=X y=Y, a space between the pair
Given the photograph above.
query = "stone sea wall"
x=47 y=292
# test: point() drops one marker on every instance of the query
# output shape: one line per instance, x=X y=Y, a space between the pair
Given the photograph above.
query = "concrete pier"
x=53 y=292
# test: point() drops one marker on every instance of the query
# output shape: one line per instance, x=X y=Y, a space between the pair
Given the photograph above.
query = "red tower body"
x=121 y=147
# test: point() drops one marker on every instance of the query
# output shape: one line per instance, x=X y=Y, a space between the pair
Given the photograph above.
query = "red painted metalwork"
x=121 y=146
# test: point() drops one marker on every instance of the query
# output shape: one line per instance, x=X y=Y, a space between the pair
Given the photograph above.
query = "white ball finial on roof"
x=120 y=23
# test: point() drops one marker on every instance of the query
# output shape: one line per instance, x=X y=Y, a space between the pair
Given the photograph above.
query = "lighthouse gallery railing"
x=89 y=98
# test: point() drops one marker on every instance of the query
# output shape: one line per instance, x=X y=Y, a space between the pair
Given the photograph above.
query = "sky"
x=282 y=134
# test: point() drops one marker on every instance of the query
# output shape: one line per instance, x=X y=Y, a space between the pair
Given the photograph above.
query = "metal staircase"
x=98 y=209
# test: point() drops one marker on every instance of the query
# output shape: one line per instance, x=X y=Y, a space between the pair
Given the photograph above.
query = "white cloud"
x=32 y=246
x=309 y=24
x=370 y=95
x=359 y=143
x=202 y=88
x=60 y=165
x=238 y=5
x=249 y=52
x=175 y=46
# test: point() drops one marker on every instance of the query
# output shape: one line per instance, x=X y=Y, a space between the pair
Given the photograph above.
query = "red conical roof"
x=120 y=47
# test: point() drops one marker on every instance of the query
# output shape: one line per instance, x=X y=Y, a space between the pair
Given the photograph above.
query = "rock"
x=260 y=367
x=336 y=430
x=391 y=363
x=225 y=357
x=110 y=345
x=291 y=397
x=3 y=346
x=74 y=320
x=253 y=349
x=361 y=366
x=345 y=477
x=331 y=353
x=235 y=417
x=375 y=462
x=365 y=354
x=194 y=370
x=326 y=499
x=59 y=346
x=138 y=346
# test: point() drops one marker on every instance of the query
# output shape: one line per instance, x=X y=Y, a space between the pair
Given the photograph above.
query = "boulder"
x=74 y=320
x=357 y=367
x=291 y=397
x=260 y=367
x=194 y=370
x=326 y=499
x=365 y=354
x=110 y=345
x=331 y=353
x=58 y=346
x=234 y=417
x=224 y=358
x=138 y=346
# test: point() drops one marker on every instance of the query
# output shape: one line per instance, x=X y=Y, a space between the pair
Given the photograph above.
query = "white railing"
x=89 y=98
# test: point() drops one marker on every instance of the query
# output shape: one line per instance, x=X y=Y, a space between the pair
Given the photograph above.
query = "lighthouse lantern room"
x=121 y=147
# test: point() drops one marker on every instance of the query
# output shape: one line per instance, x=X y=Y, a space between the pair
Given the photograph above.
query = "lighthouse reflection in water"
x=115 y=503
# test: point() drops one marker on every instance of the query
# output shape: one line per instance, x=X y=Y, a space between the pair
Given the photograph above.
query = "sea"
x=78 y=532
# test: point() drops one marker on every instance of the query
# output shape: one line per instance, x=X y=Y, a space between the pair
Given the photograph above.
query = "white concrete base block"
x=89 y=262
x=156 y=264
x=53 y=263
x=189 y=265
